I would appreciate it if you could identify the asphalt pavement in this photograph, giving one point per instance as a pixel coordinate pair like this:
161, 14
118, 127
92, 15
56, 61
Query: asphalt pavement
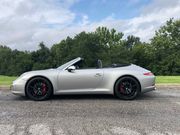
153, 113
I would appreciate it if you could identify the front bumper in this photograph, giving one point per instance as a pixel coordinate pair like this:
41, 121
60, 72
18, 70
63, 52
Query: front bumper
18, 87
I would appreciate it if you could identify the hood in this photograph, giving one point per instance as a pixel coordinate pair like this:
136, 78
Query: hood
38, 72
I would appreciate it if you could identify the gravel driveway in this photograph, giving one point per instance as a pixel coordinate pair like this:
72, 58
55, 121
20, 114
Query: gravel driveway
154, 113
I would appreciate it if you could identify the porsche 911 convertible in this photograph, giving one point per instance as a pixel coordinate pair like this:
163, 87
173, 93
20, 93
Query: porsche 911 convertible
126, 81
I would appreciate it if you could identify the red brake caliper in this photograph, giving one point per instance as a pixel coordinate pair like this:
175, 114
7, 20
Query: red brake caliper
44, 88
122, 88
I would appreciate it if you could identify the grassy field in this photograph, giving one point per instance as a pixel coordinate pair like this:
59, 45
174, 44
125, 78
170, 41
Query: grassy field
168, 79
7, 81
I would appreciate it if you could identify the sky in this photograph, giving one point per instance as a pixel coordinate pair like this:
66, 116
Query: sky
26, 23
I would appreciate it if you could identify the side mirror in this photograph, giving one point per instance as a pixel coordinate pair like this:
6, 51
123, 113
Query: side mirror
71, 68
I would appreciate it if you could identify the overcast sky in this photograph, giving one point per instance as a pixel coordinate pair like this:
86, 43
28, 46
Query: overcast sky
25, 23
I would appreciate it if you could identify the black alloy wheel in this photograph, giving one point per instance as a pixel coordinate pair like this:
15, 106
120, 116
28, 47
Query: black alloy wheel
38, 89
127, 88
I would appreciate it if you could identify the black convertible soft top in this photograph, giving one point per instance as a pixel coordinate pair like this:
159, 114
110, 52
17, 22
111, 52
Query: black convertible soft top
120, 65
117, 65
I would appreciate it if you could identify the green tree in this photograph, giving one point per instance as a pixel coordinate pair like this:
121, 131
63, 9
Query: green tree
5, 57
14, 62
111, 43
41, 58
161, 55
166, 49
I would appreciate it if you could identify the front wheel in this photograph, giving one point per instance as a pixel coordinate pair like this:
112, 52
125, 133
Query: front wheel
38, 89
127, 88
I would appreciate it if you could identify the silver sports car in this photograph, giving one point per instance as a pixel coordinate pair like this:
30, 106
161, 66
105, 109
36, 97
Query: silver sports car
126, 81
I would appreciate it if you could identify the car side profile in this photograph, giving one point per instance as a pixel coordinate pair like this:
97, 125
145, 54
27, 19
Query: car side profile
126, 81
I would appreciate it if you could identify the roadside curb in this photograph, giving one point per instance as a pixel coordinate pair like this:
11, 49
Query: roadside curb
168, 86
4, 87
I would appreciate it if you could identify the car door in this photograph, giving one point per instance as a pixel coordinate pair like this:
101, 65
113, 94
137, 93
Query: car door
80, 79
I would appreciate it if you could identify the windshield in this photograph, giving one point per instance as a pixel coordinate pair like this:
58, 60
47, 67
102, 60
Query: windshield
64, 66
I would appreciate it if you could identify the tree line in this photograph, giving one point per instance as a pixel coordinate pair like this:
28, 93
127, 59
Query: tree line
161, 55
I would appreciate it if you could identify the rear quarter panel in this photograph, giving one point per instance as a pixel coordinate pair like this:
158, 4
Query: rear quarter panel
111, 75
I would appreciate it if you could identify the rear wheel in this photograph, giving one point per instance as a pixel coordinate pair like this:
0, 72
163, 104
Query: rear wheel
127, 88
38, 89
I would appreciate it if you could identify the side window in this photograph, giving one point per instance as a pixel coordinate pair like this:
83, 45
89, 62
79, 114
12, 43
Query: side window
79, 65
88, 65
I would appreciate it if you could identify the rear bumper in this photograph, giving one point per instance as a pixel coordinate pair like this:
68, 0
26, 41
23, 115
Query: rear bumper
147, 84
148, 89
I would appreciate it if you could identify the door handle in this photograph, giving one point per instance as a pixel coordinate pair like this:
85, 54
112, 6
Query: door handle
98, 74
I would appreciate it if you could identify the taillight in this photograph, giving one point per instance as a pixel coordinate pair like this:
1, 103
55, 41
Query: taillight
148, 74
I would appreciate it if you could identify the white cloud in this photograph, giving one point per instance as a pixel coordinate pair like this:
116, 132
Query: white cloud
151, 18
22, 21
85, 20
25, 23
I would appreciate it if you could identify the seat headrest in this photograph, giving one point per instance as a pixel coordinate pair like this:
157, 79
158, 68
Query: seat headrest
99, 63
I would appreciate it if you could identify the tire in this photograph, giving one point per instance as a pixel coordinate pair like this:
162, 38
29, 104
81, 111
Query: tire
127, 88
38, 89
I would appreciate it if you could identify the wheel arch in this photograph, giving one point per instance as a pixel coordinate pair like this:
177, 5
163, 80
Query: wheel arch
126, 76
41, 77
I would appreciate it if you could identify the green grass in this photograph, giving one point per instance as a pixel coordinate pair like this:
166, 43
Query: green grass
168, 79
7, 80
